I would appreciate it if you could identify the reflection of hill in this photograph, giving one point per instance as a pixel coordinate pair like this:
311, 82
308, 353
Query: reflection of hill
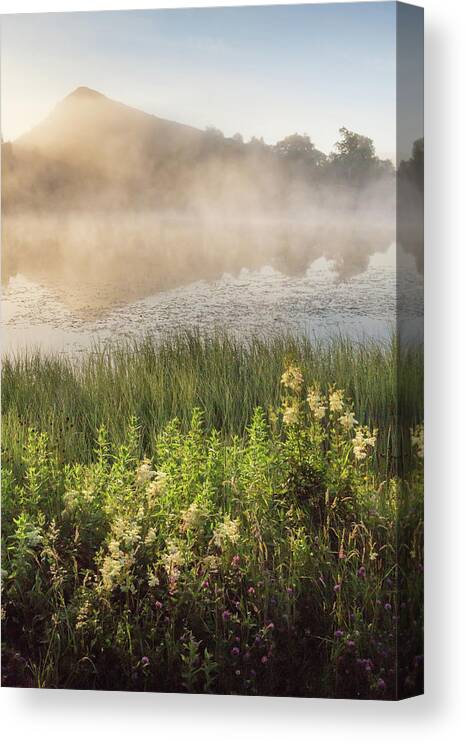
140, 254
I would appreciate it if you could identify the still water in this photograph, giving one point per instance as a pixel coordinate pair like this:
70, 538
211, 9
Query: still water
36, 314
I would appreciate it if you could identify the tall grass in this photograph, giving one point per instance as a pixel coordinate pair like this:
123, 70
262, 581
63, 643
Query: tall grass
226, 378
279, 562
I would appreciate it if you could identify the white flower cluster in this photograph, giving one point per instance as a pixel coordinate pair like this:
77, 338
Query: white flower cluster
226, 532
292, 379
193, 518
316, 403
144, 472
363, 441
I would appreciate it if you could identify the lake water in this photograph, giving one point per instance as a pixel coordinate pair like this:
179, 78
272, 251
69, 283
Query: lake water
38, 314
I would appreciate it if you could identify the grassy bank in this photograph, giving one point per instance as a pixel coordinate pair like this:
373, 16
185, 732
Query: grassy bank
226, 379
281, 561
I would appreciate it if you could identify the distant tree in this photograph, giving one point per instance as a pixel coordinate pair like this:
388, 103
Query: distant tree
300, 148
257, 144
355, 160
238, 138
213, 133
413, 169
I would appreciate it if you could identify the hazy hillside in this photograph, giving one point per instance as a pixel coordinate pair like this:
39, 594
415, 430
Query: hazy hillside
92, 151
99, 186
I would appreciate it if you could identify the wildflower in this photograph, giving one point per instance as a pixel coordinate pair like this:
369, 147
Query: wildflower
361, 572
348, 420
292, 379
336, 400
381, 684
316, 403
158, 605
144, 472
227, 531
270, 627
337, 587
338, 634
235, 561
193, 518
291, 413
264, 659
387, 607
226, 615
251, 591
289, 590
145, 662
363, 440
235, 651
205, 584
350, 644
157, 486
151, 537
173, 561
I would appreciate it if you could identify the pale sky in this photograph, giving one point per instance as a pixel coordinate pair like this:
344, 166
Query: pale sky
263, 71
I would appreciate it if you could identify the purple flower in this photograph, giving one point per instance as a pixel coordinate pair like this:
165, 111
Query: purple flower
145, 662
158, 605
236, 560
337, 587
338, 634
387, 607
251, 591
264, 659
289, 590
350, 644
226, 615
205, 584
270, 626
381, 684
235, 651
362, 571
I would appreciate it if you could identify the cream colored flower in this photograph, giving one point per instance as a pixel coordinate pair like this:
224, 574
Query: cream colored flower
144, 472
193, 517
291, 414
363, 440
336, 400
158, 485
226, 532
348, 420
316, 403
292, 379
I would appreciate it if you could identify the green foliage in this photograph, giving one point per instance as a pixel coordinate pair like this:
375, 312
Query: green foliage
226, 379
262, 563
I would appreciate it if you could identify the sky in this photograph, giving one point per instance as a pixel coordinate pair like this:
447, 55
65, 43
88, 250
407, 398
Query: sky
262, 71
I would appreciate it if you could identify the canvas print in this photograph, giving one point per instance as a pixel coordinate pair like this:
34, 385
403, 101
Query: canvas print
212, 350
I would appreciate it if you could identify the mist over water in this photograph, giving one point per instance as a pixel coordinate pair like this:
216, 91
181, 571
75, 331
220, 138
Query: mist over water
118, 222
